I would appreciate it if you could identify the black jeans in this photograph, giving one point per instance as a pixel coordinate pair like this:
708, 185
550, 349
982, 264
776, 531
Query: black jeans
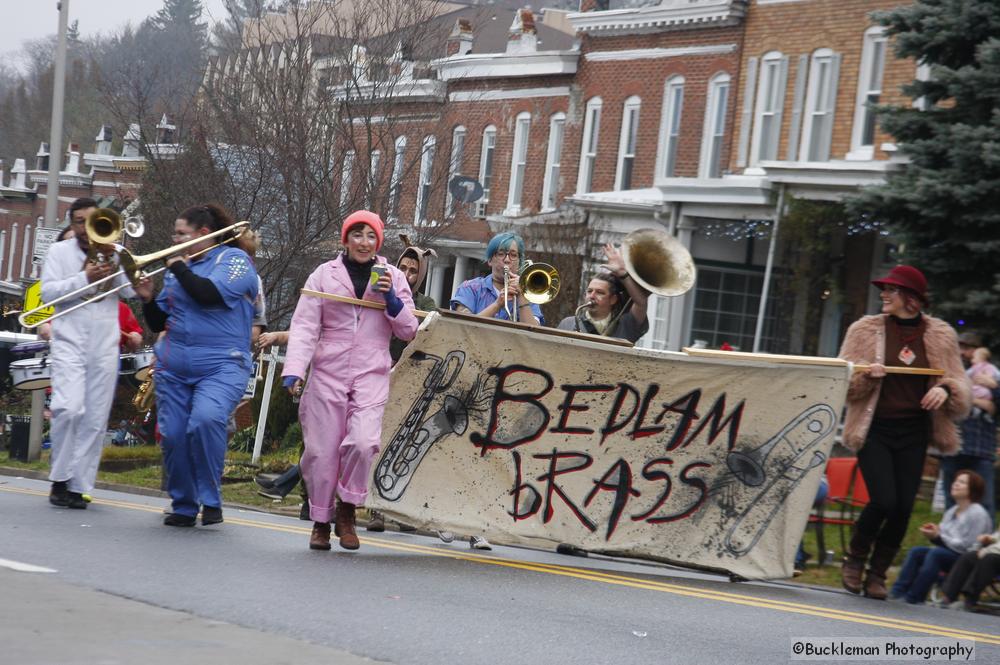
970, 575
891, 463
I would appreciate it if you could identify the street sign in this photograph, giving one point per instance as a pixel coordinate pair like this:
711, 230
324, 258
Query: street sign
33, 299
44, 238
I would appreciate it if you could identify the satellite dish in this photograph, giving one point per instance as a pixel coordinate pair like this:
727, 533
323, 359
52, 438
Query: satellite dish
465, 189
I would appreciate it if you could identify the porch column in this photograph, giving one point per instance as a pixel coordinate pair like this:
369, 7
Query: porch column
678, 304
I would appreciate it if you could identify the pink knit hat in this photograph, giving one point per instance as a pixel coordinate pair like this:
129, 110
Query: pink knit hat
364, 217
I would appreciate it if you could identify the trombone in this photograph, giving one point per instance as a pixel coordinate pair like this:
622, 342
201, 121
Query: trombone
538, 282
131, 267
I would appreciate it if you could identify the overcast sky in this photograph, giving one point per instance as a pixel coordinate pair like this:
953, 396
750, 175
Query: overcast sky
32, 19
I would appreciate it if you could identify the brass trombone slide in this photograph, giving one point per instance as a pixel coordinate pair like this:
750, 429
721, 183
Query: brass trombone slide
131, 267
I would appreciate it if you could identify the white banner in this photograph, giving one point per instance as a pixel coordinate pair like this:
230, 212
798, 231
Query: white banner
543, 439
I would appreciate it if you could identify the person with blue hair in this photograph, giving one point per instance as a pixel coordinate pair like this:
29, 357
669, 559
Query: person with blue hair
484, 296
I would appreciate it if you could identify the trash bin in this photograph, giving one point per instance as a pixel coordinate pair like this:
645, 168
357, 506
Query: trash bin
17, 447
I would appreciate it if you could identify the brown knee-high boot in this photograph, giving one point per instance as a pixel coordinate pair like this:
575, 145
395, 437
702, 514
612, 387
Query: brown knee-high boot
877, 567
344, 526
854, 562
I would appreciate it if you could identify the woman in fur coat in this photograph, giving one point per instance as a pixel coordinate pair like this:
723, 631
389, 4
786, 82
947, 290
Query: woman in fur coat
891, 418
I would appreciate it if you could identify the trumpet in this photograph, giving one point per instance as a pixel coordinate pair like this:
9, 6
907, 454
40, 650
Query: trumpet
131, 267
104, 227
538, 283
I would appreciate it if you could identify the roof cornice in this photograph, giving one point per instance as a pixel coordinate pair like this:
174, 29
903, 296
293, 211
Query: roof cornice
506, 65
668, 15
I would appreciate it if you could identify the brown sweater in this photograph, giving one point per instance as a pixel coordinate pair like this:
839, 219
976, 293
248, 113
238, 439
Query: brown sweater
901, 393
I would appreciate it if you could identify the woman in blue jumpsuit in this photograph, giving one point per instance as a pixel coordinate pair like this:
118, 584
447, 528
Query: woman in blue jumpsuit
202, 363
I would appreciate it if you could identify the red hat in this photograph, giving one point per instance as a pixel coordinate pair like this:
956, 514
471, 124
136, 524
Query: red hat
364, 217
906, 277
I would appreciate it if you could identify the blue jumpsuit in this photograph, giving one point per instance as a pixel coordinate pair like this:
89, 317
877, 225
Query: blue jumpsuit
202, 367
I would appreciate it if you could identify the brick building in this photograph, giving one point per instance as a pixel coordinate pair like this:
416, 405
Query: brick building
112, 180
701, 117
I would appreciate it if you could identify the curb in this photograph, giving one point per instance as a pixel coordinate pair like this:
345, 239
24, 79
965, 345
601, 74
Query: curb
142, 491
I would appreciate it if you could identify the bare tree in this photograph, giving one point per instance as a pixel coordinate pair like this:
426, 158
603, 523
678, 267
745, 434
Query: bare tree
303, 118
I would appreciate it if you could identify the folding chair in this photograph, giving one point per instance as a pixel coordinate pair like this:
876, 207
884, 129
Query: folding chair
848, 494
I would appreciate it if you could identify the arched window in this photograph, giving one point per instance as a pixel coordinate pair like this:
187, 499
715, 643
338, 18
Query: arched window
869, 92
454, 166
670, 125
588, 149
553, 159
396, 182
627, 141
714, 133
770, 106
486, 167
427, 150
821, 101
518, 162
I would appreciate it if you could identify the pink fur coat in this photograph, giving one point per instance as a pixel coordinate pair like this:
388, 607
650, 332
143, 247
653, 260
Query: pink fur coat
865, 343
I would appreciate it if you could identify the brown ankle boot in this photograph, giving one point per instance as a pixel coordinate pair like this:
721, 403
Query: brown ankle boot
320, 538
854, 562
878, 566
344, 526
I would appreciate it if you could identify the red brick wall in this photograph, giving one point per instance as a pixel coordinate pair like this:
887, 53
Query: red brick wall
796, 28
614, 82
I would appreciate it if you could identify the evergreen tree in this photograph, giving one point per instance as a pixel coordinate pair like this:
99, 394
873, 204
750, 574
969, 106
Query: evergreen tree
945, 203
183, 14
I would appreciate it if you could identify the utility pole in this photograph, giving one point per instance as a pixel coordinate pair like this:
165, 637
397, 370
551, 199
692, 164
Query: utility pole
55, 138
51, 202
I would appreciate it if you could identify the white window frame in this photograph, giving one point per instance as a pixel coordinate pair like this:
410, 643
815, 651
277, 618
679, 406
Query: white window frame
670, 126
427, 151
454, 166
396, 181
553, 161
821, 103
518, 163
714, 130
487, 155
346, 170
588, 146
373, 165
628, 141
770, 107
873, 52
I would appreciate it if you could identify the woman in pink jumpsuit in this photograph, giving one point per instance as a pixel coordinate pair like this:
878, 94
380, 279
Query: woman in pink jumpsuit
347, 347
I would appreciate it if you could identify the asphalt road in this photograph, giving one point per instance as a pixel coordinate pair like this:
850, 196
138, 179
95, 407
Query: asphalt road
250, 591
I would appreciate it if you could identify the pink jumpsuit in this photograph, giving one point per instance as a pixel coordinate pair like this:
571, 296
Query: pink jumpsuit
345, 394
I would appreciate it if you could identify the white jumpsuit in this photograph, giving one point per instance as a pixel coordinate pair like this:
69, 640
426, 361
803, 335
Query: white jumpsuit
84, 359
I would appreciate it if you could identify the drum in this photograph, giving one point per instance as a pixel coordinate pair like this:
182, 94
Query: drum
136, 364
31, 373
29, 348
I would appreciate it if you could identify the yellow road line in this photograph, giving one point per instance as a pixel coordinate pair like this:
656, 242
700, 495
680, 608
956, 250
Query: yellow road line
607, 578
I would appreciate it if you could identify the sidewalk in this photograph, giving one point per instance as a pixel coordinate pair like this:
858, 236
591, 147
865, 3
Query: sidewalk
48, 621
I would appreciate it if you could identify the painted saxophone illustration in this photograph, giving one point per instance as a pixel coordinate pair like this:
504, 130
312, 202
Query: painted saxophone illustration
417, 434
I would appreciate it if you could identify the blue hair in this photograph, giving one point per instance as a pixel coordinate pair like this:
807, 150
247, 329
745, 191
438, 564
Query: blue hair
503, 241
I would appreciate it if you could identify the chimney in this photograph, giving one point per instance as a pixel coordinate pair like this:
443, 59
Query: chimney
17, 175
73, 158
103, 141
2, 173
165, 131
131, 141
593, 5
42, 157
522, 38
460, 40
